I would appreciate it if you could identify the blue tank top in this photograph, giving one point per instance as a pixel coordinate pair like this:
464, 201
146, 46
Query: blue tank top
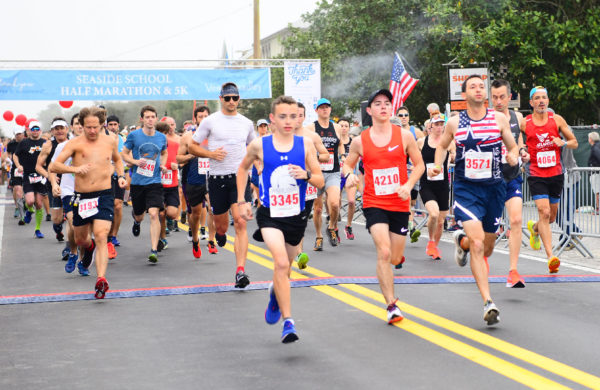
478, 150
193, 177
275, 170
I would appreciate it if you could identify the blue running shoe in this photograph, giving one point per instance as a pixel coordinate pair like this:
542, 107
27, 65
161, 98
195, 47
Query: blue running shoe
70, 266
289, 332
82, 270
272, 314
27, 217
115, 241
38, 234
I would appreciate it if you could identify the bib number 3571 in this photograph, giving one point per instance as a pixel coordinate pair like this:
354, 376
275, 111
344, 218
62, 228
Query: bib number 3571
386, 181
478, 165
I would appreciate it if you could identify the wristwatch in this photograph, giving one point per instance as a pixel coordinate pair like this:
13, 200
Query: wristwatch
308, 175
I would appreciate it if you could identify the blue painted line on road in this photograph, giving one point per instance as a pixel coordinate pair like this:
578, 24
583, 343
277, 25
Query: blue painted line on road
296, 283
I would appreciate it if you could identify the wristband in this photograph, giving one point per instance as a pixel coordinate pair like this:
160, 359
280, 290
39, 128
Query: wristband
438, 166
122, 177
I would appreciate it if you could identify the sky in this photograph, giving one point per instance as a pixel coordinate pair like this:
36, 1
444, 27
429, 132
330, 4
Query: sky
126, 30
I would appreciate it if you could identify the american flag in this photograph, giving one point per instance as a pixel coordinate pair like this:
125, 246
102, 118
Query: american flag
401, 84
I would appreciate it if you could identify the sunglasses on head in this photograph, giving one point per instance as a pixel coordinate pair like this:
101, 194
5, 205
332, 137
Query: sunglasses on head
402, 115
228, 98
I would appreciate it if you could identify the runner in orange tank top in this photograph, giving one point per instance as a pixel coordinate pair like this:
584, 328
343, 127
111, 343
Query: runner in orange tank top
386, 198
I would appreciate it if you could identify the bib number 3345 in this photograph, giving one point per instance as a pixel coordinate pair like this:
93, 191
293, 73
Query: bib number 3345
284, 201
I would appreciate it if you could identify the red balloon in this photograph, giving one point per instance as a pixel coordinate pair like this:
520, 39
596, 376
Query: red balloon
8, 116
66, 103
21, 119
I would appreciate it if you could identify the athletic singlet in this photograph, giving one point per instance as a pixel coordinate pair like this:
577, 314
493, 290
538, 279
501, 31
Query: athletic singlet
510, 172
331, 143
49, 156
428, 154
385, 171
169, 178
347, 146
478, 149
196, 172
279, 191
544, 153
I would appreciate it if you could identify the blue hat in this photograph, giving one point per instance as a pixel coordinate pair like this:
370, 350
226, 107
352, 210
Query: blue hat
323, 101
536, 89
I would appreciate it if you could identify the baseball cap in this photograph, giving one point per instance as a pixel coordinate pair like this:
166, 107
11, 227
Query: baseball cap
438, 118
19, 130
33, 124
323, 101
537, 89
262, 122
385, 92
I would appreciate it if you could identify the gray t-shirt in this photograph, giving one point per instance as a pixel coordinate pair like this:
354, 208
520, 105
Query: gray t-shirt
233, 133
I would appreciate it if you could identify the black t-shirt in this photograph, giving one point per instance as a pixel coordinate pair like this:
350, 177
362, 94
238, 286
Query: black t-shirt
12, 148
28, 152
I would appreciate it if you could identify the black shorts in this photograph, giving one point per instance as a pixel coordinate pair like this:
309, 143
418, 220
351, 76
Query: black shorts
55, 202
222, 191
171, 196
118, 192
414, 194
66, 204
105, 206
396, 220
546, 187
292, 227
16, 181
38, 188
146, 197
308, 205
438, 192
196, 194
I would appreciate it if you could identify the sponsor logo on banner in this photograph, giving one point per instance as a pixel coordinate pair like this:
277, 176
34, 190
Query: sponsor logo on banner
302, 81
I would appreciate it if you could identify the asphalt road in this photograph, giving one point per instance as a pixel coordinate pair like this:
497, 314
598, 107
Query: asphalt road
198, 338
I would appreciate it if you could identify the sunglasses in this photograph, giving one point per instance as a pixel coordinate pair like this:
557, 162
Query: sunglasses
402, 115
228, 98
35, 129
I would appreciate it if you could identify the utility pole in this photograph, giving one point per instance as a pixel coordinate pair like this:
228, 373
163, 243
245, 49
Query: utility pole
256, 49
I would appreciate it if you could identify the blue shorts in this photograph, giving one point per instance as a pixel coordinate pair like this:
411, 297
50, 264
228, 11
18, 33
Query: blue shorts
105, 205
480, 203
513, 188
66, 202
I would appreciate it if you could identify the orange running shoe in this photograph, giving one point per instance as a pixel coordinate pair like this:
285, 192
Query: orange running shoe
514, 280
429, 251
196, 251
436, 254
553, 264
112, 252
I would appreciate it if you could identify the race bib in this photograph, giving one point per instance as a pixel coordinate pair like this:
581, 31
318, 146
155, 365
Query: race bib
147, 167
311, 192
203, 166
546, 159
503, 154
167, 178
328, 166
18, 174
478, 165
33, 178
438, 177
386, 180
284, 201
88, 207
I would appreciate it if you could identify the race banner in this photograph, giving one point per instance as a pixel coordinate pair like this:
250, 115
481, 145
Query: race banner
302, 81
456, 77
155, 84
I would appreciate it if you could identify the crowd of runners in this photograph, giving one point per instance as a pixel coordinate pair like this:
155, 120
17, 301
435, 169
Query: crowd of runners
222, 170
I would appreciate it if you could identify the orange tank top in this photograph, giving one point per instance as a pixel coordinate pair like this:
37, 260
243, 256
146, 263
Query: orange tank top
170, 178
385, 170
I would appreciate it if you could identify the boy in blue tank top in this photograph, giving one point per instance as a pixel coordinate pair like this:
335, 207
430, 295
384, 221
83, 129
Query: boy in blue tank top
289, 162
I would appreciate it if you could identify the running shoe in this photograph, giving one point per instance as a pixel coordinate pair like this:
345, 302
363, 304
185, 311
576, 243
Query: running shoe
203, 234
491, 314
153, 257
534, 238
21, 222
135, 229
272, 314
514, 280
349, 234
162, 244
436, 253
302, 260
48, 218
115, 241
212, 249
83, 271
196, 251
289, 332
460, 255
112, 252
101, 288
38, 234
393, 313
190, 238
71, 262
414, 235
16, 214
553, 264
60, 237
318, 244
399, 265
429, 248
88, 254
221, 239
332, 236
339, 238
241, 280
66, 252
27, 217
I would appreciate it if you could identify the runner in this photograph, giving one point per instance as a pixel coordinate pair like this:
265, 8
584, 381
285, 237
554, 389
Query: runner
330, 134
512, 179
543, 132
479, 192
112, 124
93, 201
384, 149
435, 191
289, 163
350, 191
16, 177
146, 151
228, 133
34, 185
200, 114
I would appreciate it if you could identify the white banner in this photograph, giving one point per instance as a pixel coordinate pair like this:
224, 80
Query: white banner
302, 81
458, 76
